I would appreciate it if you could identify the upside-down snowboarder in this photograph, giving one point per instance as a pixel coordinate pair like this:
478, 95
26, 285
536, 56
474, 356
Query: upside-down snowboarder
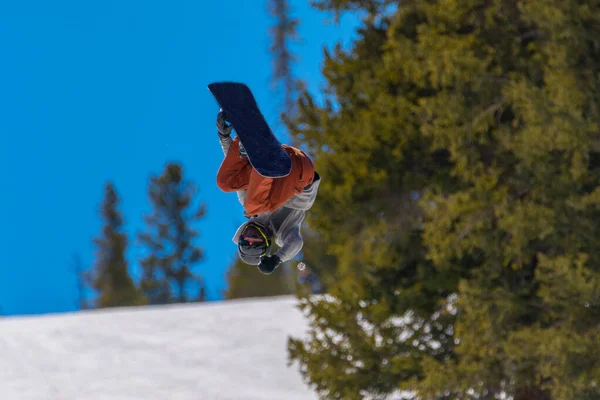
275, 207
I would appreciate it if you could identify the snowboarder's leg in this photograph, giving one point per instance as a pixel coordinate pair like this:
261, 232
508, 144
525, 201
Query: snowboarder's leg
234, 172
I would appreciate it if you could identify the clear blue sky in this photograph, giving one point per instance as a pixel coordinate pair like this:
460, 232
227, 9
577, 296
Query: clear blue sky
92, 91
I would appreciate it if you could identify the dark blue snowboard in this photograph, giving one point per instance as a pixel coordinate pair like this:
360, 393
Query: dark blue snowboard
264, 151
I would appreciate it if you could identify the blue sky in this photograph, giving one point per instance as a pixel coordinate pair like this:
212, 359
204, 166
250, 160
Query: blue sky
92, 91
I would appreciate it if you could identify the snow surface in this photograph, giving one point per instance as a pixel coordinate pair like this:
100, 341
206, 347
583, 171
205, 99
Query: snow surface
211, 351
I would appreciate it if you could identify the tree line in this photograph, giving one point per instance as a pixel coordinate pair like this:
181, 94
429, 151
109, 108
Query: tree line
171, 252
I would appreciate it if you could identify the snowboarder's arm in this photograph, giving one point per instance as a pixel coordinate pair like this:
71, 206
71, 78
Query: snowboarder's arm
292, 244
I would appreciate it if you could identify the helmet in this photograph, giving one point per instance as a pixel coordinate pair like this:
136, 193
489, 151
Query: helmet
251, 253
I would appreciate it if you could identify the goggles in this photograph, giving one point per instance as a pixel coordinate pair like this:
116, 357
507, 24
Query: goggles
256, 249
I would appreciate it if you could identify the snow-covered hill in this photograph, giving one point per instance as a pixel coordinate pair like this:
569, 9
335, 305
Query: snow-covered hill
233, 350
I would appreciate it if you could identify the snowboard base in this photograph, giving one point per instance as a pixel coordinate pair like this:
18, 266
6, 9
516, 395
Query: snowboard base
265, 153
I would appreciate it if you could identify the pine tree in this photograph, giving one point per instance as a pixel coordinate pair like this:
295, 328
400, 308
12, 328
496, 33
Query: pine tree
110, 276
168, 269
460, 199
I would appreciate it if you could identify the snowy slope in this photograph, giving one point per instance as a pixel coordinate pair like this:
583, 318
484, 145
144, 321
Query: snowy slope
215, 351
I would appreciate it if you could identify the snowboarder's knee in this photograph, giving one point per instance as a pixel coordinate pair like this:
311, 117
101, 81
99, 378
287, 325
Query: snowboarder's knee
223, 183
230, 182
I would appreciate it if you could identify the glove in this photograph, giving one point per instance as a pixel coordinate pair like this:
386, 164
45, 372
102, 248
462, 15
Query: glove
268, 264
223, 128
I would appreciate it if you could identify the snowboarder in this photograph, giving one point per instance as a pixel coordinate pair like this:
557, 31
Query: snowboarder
275, 207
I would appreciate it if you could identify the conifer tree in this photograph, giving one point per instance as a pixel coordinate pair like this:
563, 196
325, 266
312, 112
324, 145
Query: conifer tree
110, 276
168, 270
461, 176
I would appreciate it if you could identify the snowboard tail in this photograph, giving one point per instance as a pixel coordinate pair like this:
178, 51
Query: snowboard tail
265, 153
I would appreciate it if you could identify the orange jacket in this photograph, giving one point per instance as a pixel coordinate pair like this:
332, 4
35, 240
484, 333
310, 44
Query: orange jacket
263, 194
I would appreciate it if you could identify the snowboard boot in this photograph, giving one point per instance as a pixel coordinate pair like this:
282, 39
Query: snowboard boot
242, 150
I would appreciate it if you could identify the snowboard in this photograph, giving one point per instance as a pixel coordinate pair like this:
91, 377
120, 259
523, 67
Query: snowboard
264, 151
